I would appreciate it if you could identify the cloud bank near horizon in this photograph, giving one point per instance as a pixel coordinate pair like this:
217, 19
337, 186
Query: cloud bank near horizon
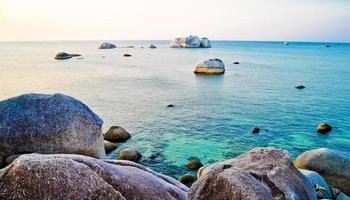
298, 20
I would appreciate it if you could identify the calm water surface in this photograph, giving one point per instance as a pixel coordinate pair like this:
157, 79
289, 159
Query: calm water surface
213, 114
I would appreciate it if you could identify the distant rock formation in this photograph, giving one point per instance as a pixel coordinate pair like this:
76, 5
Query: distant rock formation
190, 42
210, 66
64, 55
107, 46
48, 124
57, 176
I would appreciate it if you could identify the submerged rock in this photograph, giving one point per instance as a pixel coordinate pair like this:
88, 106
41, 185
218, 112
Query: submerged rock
255, 130
107, 46
331, 164
127, 55
116, 134
236, 63
64, 55
170, 106
60, 176
187, 179
109, 146
324, 128
300, 87
194, 164
210, 66
262, 173
129, 154
39, 123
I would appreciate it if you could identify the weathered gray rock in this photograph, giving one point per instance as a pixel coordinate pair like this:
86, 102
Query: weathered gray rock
210, 66
63, 176
38, 123
205, 43
129, 154
331, 164
107, 46
116, 134
262, 173
109, 146
322, 189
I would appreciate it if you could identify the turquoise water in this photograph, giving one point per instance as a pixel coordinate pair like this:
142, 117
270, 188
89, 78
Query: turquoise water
213, 115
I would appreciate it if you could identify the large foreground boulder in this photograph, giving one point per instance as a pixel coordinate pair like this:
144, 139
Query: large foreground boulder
331, 164
190, 42
38, 123
210, 66
262, 173
63, 176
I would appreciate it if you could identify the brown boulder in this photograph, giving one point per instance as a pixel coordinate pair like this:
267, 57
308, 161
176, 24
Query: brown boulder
324, 128
116, 134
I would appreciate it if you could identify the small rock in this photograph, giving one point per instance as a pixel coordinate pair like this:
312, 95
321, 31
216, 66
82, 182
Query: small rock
170, 106
109, 146
300, 87
129, 154
210, 66
154, 156
107, 46
187, 179
255, 130
236, 63
152, 46
324, 128
194, 164
116, 134
63, 56
127, 55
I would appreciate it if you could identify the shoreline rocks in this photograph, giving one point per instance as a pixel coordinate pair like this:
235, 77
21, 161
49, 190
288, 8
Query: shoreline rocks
40, 123
190, 42
107, 45
262, 173
129, 154
116, 134
332, 165
210, 66
63, 176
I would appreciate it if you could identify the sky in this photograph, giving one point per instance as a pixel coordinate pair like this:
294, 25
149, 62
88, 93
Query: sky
282, 20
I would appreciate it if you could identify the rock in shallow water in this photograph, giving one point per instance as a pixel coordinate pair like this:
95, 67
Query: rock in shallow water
324, 128
116, 134
194, 164
63, 56
262, 173
331, 164
39, 123
187, 179
255, 130
129, 154
62, 176
109, 146
107, 46
210, 66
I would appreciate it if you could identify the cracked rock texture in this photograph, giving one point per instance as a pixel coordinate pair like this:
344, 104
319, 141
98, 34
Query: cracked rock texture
262, 173
63, 176
38, 123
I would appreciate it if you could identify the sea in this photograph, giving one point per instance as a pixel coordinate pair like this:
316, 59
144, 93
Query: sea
213, 114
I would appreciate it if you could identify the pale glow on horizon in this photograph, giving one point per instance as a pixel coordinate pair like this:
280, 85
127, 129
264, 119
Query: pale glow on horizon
292, 20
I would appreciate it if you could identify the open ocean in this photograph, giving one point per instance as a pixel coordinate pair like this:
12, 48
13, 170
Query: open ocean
213, 115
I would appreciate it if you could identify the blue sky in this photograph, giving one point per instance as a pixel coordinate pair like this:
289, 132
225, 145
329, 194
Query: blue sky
292, 20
